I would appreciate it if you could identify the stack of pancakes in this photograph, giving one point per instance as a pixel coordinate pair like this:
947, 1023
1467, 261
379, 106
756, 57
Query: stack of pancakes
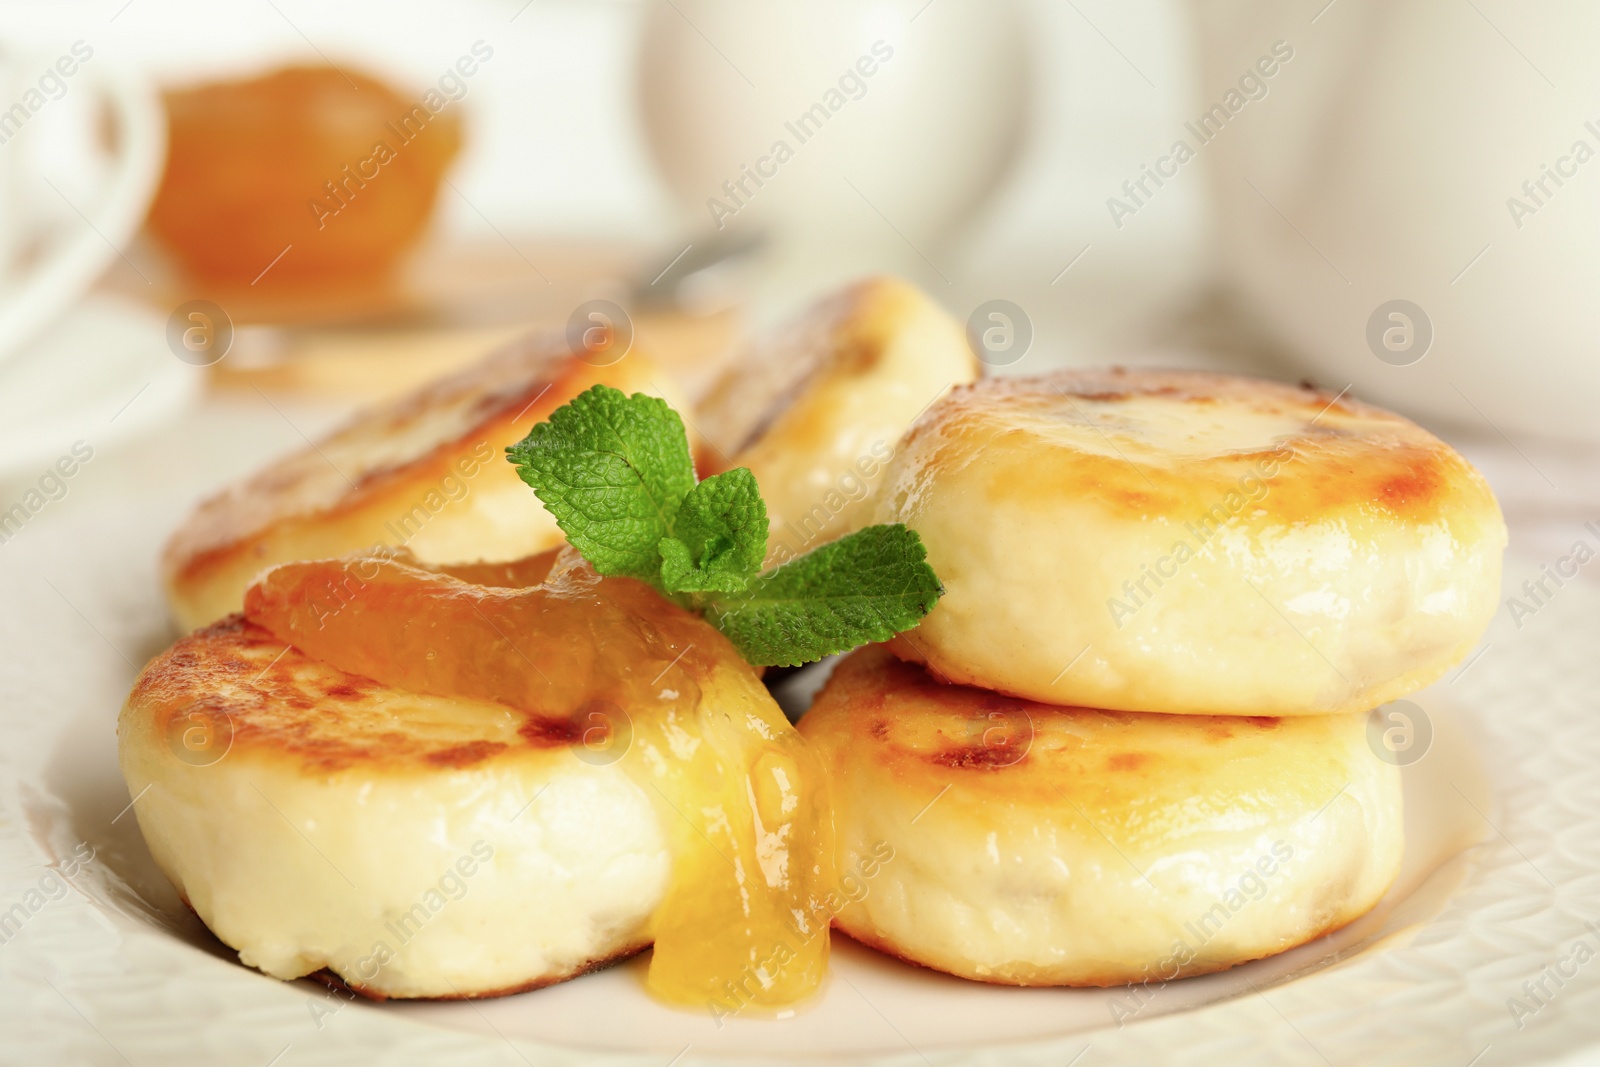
1130, 744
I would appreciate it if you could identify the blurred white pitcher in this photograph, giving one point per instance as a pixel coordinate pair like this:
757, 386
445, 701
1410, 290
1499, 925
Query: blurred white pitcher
68, 200
1368, 207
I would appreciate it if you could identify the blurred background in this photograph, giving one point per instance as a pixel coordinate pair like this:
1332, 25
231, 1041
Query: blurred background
222, 227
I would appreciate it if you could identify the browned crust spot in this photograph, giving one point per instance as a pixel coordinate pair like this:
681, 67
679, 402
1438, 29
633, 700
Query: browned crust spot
977, 757
544, 732
459, 756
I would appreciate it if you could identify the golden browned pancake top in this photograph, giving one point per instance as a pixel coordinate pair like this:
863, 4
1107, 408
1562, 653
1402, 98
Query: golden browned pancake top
394, 448
402, 441
259, 695
1169, 442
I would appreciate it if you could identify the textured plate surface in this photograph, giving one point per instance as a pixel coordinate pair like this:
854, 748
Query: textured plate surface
1502, 878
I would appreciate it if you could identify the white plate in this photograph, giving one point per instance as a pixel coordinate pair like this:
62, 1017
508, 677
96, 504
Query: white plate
1502, 873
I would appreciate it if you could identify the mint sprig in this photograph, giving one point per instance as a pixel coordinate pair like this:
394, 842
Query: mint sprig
615, 472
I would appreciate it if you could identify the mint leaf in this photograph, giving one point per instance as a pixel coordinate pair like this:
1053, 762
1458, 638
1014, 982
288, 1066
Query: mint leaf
720, 537
865, 587
613, 470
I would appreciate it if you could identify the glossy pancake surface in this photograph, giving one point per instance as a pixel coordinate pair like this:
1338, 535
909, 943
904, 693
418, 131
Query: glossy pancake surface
1032, 844
1192, 543
317, 777
816, 406
426, 472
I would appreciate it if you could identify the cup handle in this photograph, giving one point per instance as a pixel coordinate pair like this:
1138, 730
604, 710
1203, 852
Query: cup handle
51, 287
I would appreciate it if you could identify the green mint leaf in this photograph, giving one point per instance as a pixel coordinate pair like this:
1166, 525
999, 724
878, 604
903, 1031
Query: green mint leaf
865, 587
613, 470
720, 537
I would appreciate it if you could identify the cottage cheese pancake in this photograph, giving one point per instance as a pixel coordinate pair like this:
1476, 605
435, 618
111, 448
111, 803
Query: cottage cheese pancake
1192, 543
436, 789
427, 472
1035, 844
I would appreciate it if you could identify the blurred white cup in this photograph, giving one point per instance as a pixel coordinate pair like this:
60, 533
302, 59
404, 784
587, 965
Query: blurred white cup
70, 196
1381, 167
854, 133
